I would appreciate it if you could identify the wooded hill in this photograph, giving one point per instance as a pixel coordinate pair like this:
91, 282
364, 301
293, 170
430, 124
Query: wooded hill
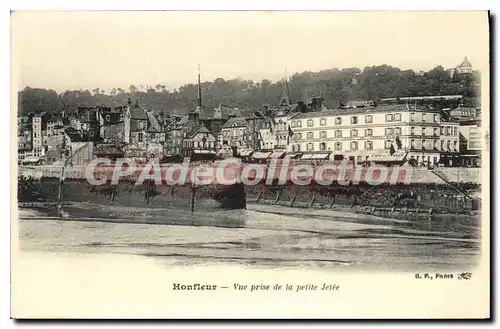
334, 85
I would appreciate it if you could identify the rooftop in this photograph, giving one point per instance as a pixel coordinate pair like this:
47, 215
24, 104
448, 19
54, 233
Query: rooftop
111, 117
222, 112
235, 122
105, 149
197, 129
154, 126
378, 109
138, 113
465, 63
74, 135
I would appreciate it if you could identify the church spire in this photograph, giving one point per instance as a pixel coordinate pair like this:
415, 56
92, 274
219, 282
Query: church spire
285, 96
199, 87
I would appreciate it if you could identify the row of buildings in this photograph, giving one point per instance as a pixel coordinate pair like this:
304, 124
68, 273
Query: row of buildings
361, 131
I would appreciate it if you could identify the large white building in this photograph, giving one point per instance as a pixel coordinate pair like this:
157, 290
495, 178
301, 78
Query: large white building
360, 133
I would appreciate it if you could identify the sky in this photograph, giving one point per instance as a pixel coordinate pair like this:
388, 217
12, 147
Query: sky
73, 50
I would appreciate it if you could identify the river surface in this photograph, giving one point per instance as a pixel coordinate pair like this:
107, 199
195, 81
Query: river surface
263, 236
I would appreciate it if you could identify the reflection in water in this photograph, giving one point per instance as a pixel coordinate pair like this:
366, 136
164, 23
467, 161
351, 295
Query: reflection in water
263, 236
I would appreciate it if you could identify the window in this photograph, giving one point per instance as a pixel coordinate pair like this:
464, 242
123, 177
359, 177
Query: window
368, 145
398, 131
338, 121
354, 120
322, 134
442, 145
368, 119
412, 117
454, 131
397, 117
412, 131
424, 144
298, 147
412, 144
354, 133
310, 146
338, 146
455, 145
388, 118
294, 124
423, 117
139, 137
310, 135
322, 122
309, 123
388, 144
388, 131
298, 136
322, 146
354, 146
448, 131
423, 131
299, 124
338, 133
436, 118
448, 145
368, 132
436, 145
436, 132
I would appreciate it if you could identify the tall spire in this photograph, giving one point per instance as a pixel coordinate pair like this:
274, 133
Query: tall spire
199, 87
285, 97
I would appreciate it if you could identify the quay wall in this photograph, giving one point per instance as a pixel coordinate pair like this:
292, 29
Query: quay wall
417, 176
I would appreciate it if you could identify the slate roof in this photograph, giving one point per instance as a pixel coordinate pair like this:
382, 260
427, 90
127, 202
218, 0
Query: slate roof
154, 126
222, 112
235, 122
100, 150
197, 129
138, 113
284, 109
378, 109
184, 120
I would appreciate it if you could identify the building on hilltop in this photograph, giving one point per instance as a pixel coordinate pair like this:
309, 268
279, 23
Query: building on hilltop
465, 67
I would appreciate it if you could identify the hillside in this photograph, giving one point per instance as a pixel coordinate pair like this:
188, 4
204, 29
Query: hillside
335, 85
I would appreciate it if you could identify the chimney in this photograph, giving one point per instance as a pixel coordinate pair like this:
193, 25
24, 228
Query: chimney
194, 117
302, 107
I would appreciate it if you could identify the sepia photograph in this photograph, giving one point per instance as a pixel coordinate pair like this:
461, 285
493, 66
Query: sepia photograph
250, 164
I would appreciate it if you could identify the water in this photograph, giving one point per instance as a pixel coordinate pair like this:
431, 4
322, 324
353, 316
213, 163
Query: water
263, 236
